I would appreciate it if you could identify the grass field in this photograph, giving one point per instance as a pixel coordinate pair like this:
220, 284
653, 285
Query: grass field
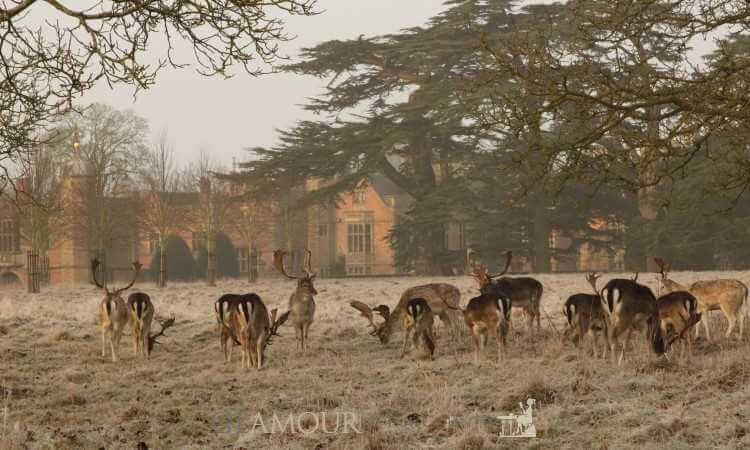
58, 392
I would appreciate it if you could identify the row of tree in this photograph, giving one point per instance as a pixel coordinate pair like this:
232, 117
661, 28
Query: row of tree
519, 120
121, 189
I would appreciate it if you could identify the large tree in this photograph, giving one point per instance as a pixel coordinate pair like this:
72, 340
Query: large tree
53, 52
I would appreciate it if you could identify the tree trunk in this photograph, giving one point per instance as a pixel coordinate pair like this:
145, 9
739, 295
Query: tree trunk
211, 264
648, 204
541, 231
162, 263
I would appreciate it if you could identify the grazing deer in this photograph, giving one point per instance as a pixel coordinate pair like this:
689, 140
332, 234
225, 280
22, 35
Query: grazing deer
488, 313
525, 292
628, 305
113, 314
301, 302
250, 322
730, 296
419, 318
585, 317
222, 307
678, 311
437, 296
141, 314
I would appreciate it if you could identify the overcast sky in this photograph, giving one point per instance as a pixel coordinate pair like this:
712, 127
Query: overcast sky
226, 116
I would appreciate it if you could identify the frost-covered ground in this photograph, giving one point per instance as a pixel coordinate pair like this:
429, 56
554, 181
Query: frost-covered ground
58, 392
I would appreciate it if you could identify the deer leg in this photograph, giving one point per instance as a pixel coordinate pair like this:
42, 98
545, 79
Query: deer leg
704, 319
298, 334
259, 353
104, 342
530, 320
731, 320
475, 338
112, 347
406, 341
499, 341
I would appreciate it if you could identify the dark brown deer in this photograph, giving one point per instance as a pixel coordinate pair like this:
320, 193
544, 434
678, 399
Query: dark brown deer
419, 318
113, 314
250, 322
302, 301
525, 292
678, 311
141, 315
585, 317
727, 295
629, 306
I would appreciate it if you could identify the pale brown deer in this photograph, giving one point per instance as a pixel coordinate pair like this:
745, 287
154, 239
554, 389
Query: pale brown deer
486, 314
437, 296
113, 313
302, 301
525, 292
222, 307
727, 295
141, 315
629, 306
420, 319
250, 322
585, 316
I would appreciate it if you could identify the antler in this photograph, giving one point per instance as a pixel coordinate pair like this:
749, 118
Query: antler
137, 268
307, 268
384, 311
94, 265
591, 277
278, 263
152, 337
509, 255
692, 320
663, 267
366, 313
275, 324
635, 277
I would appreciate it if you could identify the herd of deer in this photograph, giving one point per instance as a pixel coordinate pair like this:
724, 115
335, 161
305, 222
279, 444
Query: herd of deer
621, 306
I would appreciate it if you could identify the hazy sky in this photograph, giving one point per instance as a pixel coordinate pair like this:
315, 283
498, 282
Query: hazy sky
225, 116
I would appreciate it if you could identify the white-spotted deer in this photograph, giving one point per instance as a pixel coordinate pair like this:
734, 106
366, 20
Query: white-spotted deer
729, 296
141, 314
585, 316
629, 306
525, 292
437, 296
302, 301
113, 313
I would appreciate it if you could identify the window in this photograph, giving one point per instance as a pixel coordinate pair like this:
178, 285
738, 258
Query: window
153, 243
359, 197
359, 270
243, 260
360, 237
322, 230
8, 236
199, 241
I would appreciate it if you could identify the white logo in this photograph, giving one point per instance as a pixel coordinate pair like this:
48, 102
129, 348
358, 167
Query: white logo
519, 425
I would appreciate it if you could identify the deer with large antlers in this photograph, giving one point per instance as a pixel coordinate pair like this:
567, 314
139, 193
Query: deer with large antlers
302, 301
113, 314
141, 314
525, 292
585, 316
251, 323
727, 295
437, 296
629, 306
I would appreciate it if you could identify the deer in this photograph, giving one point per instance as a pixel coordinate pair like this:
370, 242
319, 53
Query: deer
419, 318
113, 314
250, 322
727, 295
222, 307
141, 314
437, 296
585, 316
488, 313
678, 311
525, 292
629, 306
302, 301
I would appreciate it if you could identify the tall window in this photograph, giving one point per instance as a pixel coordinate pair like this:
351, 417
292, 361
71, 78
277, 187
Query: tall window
199, 241
243, 257
360, 237
359, 196
153, 243
8, 236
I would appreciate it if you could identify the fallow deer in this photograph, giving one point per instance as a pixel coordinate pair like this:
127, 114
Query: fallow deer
141, 314
113, 313
488, 313
437, 296
222, 307
585, 316
525, 292
419, 318
628, 305
302, 301
678, 311
250, 322
727, 295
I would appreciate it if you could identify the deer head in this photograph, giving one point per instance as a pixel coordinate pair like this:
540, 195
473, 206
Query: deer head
116, 292
591, 277
275, 324
305, 282
152, 337
483, 277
